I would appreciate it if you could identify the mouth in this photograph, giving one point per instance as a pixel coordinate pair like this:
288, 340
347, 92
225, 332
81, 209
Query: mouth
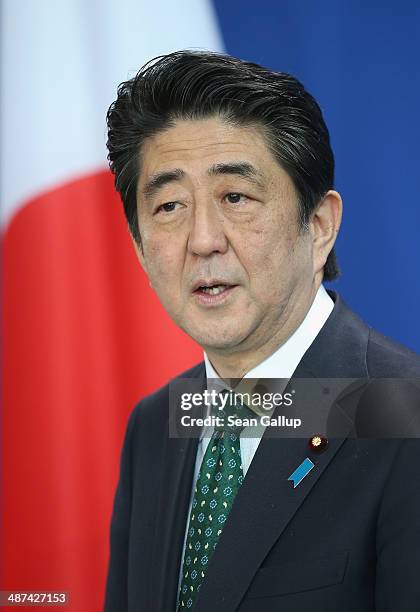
213, 289
212, 292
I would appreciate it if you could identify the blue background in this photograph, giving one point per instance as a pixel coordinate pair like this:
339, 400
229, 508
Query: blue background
361, 62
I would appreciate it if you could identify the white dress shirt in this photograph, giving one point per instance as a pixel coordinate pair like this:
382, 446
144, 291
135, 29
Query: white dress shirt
281, 364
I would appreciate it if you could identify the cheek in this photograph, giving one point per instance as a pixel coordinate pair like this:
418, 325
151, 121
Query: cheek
268, 249
273, 264
161, 262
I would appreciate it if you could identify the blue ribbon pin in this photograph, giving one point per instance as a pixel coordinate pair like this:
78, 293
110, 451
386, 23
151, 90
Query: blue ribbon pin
301, 471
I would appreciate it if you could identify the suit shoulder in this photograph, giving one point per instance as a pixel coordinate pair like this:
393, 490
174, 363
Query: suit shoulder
389, 359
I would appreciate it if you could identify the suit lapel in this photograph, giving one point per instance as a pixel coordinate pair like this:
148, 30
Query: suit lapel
175, 490
178, 470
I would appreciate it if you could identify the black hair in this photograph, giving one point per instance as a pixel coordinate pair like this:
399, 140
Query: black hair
201, 84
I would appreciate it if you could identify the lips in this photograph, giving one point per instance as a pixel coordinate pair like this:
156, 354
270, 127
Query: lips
213, 286
213, 295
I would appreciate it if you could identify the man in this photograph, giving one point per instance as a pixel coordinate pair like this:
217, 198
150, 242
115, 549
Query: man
226, 174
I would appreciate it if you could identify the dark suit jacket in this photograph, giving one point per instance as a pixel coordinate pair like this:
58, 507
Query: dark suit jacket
346, 539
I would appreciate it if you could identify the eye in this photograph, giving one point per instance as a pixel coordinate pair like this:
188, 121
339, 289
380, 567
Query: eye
234, 198
168, 207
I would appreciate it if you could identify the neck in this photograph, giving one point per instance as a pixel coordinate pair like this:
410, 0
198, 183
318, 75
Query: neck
234, 364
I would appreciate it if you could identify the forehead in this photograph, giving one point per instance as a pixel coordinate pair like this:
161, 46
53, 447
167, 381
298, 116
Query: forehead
195, 145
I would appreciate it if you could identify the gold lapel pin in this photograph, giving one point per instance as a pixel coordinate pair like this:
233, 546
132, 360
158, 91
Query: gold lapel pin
318, 443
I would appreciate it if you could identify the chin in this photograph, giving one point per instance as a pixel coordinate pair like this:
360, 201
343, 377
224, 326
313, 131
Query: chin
218, 334
216, 340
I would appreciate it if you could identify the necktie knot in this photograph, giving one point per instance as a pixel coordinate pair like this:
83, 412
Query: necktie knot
232, 414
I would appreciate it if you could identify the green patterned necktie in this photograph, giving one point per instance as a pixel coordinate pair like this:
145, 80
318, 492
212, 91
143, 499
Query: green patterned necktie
218, 481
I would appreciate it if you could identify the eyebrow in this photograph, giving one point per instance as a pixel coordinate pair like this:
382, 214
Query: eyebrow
158, 180
243, 169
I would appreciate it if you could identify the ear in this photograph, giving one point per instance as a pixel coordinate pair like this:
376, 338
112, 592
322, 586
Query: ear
324, 225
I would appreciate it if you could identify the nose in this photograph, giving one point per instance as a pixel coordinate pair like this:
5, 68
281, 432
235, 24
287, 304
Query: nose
207, 233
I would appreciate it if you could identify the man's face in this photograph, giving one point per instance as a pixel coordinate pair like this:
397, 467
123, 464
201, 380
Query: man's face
221, 243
